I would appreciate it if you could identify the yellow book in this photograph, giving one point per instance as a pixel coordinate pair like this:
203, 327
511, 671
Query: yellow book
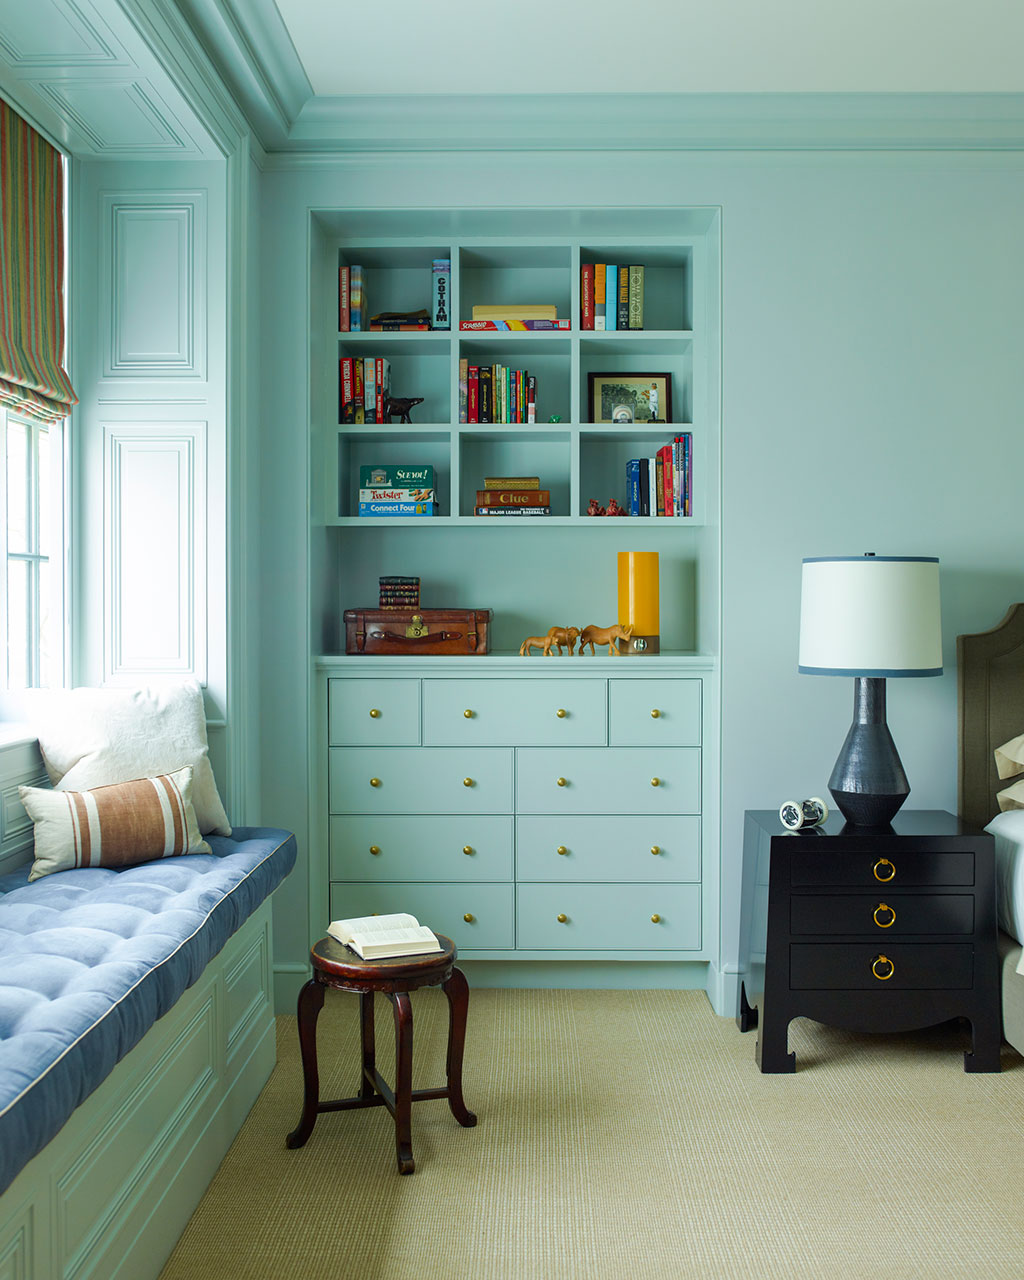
503, 311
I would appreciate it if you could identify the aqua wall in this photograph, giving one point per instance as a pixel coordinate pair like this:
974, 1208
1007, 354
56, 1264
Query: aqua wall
873, 391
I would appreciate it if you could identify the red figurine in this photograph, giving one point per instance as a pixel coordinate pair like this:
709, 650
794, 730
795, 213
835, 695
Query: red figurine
594, 508
614, 509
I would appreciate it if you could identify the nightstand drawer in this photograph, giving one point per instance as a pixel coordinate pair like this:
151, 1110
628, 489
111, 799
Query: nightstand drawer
876, 914
817, 866
623, 780
862, 967
608, 917
441, 907
463, 846
420, 780
514, 712
645, 713
579, 847
373, 713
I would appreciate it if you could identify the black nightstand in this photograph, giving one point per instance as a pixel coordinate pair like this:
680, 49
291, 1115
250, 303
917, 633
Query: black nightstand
887, 930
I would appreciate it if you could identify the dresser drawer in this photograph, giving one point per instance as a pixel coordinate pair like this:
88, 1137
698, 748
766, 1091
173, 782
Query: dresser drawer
891, 916
373, 713
616, 780
465, 846
870, 870
514, 712
420, 780
579, 847
441, 907
608, 917
915, 966
654, 712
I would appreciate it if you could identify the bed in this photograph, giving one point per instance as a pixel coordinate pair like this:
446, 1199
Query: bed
990, 685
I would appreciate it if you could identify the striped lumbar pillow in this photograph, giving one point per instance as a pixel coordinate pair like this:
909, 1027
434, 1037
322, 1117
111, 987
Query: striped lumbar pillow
115, 826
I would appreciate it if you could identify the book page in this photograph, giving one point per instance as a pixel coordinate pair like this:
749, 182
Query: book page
414, 933
343, 930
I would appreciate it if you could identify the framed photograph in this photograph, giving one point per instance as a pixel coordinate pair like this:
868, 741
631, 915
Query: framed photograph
630, 397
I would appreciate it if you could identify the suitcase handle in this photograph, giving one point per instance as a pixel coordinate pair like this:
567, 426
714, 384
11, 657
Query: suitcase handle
414, 641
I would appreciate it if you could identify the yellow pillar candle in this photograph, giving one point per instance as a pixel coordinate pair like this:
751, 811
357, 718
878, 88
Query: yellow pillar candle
638, 591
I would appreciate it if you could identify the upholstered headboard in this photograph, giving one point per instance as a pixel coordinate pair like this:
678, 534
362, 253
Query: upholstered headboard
990, 689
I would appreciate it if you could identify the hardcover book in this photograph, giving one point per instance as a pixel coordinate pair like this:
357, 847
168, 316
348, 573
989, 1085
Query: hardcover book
513, 311
357, 299
376, 937
400, 476
587, 296
513, 497
636, 297
611, 297
513, 511
369, 389
512, 482
623, 317
357, 382
463, 389
599, 291
441, 317
343, 299
346, 391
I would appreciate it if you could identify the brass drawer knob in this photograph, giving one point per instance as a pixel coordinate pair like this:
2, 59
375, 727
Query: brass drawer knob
655, 713
560, 713
375, 782
884, 870
467, 782
561, 782
655, 849
468, 714
655, 782
468, 917
374, 713
375, 849
562, 917
468, 849
884, 910
883, 968
561, 851
655, 919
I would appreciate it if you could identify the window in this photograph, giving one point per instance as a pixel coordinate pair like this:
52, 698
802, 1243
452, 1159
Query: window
32, 531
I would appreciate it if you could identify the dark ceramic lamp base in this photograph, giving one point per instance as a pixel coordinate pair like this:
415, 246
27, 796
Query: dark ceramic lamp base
868, 783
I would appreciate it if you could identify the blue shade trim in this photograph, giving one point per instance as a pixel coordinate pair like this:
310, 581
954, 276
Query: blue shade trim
877, 559
880, 673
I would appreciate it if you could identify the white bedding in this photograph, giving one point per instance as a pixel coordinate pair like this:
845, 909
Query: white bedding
1008, 830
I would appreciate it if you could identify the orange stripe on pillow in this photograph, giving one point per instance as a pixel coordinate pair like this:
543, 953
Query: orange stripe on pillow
131, 819
176, 801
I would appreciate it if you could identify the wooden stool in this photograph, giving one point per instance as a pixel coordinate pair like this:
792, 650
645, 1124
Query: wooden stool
336, 966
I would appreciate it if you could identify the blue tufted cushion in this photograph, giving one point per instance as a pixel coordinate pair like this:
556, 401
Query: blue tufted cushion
91, 958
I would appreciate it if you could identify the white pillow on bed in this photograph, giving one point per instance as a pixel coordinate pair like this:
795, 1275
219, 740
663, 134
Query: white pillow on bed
1008, 830
1010, 758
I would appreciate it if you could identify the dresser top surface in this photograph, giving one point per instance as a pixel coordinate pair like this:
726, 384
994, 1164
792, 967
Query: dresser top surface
908, 823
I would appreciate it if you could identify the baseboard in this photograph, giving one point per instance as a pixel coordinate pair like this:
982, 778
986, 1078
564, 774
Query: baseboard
628, 975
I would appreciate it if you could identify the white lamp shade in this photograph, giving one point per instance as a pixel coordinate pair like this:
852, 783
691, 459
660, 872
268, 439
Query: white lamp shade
870, 616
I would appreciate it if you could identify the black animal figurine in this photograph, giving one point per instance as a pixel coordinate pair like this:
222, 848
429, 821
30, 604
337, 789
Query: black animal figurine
400, 405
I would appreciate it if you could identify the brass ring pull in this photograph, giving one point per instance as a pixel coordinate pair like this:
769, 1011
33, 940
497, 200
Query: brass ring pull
655, 713
883, 968
884, 924
655, 782
468, 849
561, 851
375, 849
468, 714
655, 849
374, 713
561, 782
655, 919
468, 917
562, 917
375, 782
560, 713
467, 782
884, 870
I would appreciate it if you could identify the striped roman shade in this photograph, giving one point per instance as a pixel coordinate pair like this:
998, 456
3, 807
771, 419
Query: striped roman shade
33, 381
115, 826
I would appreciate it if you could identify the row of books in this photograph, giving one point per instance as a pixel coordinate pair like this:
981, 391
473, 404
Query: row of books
354, 314
662, 485
611, 297
496, 393
398, 593
512, 496
398, 490
364, 385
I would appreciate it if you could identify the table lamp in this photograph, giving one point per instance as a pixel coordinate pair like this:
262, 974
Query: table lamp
870, 617
639, 602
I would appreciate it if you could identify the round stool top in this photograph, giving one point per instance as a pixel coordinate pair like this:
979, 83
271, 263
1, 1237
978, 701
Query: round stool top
336, 965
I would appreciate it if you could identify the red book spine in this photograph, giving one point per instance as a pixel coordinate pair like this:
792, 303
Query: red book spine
347, 390
665, 454
513, 497
587, 296
473, 394
343, 299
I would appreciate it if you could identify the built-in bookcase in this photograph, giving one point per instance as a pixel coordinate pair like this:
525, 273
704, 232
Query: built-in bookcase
531, 571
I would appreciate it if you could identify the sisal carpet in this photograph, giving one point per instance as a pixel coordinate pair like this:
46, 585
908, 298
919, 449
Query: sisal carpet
626, 1135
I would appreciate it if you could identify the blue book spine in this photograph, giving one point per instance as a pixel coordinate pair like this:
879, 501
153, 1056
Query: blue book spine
633, 486
397, 508
611, 293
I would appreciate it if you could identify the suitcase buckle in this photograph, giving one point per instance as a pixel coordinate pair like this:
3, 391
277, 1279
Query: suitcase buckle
416, 628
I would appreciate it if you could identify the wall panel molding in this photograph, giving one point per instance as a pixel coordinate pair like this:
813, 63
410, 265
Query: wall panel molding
153, 286
155, 540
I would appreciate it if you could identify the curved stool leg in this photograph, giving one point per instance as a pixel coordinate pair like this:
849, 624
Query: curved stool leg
311, 1001
369, 1063
403, 1080
457, 991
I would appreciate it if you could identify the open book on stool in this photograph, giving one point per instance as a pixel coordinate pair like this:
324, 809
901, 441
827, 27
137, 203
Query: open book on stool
377, 937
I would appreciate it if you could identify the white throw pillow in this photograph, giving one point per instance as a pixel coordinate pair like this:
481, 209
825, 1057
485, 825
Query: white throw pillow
1008, 831
97, 737
1010, 758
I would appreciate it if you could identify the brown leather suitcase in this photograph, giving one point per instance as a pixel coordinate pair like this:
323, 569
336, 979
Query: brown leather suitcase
420, 631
